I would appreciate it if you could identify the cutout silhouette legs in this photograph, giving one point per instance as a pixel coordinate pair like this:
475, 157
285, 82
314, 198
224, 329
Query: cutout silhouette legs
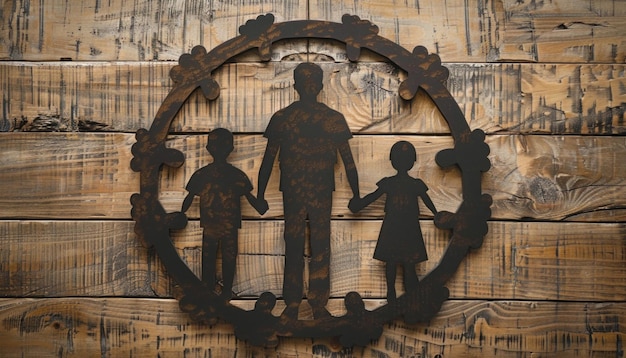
297, 210
229, 265
209, 257
295, 234
212, 240
390, 275
319, 267
410, 279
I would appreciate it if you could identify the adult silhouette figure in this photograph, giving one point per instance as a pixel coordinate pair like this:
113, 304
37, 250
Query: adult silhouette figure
308, 134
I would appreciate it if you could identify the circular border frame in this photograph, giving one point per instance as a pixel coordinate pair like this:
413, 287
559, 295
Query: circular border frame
358, 326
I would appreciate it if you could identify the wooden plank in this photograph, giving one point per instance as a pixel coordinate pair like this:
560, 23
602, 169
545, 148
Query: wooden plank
524, 261
564, 7
125, 96
130, 31
564, 31
458, 30
78, 176
152, 327
478, 31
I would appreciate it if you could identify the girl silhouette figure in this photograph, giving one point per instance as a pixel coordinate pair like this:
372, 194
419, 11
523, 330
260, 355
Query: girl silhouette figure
400, 241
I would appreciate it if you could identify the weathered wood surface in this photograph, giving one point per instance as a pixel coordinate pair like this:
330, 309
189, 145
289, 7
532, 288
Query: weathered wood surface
125, 96
76, 287
501, 30
528, 261
458, 30
135, 31
78, 175
122, 327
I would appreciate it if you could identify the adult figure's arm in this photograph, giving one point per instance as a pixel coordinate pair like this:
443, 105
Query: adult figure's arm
266, 169
350, 166
358, 205
187, 202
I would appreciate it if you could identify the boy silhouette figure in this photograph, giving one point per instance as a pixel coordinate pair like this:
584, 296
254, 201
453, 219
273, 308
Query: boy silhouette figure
220, 187
308, 134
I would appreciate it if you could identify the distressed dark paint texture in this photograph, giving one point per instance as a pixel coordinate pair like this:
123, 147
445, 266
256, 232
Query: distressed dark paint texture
259, 326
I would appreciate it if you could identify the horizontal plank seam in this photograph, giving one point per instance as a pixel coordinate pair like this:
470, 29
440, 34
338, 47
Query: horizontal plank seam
245, 299
337, 218
444, 63
498, 133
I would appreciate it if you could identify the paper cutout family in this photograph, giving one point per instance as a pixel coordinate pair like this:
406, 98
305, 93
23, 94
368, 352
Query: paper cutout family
307, 136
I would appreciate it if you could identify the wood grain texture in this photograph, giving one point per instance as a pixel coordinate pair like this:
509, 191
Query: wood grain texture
129, 31
546, 80
564, 31
74, 327
88, 176
527, 261
490, 31
504, 98
458, 30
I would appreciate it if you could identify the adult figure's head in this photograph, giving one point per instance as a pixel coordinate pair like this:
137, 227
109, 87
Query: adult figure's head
220, 144
308, 80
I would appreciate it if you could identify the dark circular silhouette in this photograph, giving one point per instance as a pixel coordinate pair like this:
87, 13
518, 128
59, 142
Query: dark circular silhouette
468, 224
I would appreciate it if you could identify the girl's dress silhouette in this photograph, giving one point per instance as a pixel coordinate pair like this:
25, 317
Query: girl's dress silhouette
400, 239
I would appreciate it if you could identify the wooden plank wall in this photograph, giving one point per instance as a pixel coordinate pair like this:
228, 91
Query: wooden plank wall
545, 79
